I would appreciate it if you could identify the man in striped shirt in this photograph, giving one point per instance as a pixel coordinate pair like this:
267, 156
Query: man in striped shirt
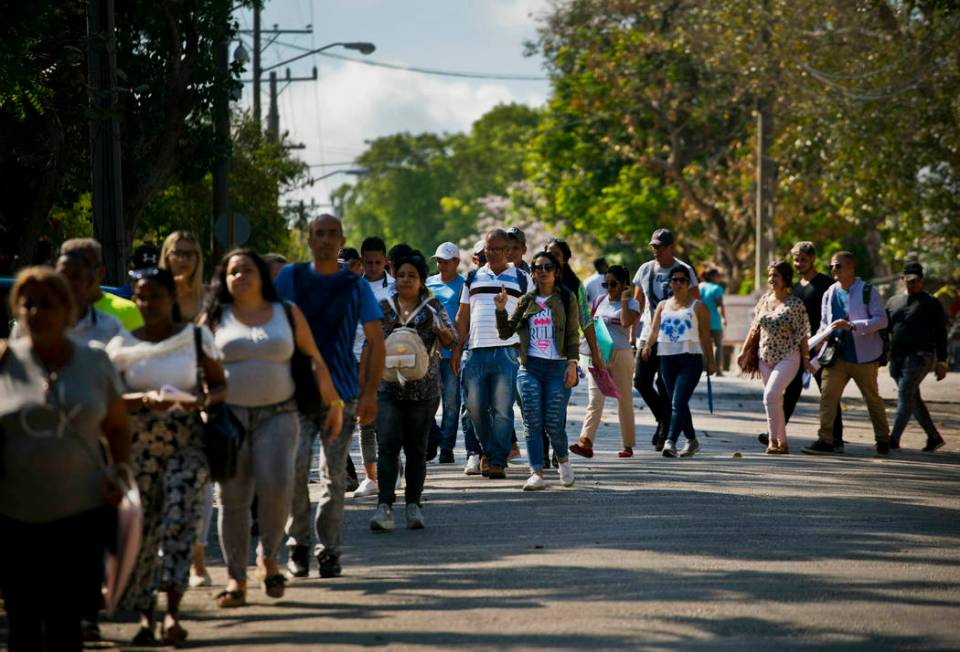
490, 372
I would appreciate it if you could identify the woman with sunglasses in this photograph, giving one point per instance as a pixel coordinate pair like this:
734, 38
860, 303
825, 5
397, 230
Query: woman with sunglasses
547, 323
58, 398
784, 328
681, 329
168, 457
619, 311
251, 327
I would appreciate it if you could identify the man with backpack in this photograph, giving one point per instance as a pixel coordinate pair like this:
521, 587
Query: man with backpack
334, 300
853, 312
490, 373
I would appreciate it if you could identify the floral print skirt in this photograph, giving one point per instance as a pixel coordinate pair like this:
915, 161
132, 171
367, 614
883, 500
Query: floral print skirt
172, 474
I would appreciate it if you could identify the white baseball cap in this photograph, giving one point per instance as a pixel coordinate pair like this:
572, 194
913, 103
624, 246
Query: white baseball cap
447, 251
479, 247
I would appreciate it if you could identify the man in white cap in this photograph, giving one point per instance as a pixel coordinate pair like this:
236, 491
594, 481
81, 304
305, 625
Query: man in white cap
446, 286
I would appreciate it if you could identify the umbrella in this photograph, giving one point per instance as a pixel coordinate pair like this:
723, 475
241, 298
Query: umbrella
120, 562
709, 394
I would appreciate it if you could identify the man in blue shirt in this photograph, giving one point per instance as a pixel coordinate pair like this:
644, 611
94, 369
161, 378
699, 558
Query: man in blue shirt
446, 286
334, 301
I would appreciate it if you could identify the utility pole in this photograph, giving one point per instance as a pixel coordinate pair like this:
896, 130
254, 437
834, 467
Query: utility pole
766, 175
107, 182
257, 115
273, 114
221, 135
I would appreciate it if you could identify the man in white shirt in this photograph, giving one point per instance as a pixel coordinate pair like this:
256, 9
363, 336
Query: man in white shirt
594, 284
651, 286
490, 372
373, 254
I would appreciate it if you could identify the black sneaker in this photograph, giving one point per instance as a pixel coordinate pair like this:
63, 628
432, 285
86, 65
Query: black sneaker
432, 450
446, 457
764, 439
934, 444
894, 444
329, 565
838, 447
883, 448
546, 460
298, 561
655, 440
818, 448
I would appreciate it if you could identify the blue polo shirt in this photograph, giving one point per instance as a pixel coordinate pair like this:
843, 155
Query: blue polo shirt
449, 295
334, 304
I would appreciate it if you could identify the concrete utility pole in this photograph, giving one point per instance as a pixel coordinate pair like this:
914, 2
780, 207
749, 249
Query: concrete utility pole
273, 115
221, 135
257, 115
766, 189
106, 178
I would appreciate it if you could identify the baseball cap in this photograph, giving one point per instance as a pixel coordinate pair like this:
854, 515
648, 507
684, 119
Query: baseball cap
662, 237
144, 256
479, 247
515, 233
348, 253
447, 251
912, 270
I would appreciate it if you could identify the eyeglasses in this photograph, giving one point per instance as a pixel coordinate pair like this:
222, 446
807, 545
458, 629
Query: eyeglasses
495, 250
611, 284
184, 253
679, 279
149, 272
546, 267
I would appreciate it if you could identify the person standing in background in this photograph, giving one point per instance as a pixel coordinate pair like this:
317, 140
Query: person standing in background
594, 284
711, 293
446, 285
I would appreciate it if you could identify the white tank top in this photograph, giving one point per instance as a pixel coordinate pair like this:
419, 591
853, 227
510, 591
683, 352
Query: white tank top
679, 331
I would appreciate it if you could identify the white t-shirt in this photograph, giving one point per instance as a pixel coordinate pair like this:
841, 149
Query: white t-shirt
593, 286
651, 276
483, 312
151, 365
610, 312
382, 289
543, 335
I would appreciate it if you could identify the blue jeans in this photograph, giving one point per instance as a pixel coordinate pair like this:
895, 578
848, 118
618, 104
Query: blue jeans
681, 373
908, 372
543, 406
490, 378
445, 433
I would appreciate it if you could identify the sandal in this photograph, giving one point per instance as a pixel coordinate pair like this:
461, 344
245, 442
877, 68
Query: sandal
626, 452
582, 450
274, 585
174, 635
231, 599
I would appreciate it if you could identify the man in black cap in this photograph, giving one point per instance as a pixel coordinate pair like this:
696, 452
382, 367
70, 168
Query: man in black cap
918, 343
651, 286
144, 257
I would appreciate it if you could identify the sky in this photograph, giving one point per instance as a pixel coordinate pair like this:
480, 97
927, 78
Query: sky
351, 102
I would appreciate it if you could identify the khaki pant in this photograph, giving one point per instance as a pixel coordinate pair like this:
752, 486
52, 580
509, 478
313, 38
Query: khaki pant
621, 369
835, 379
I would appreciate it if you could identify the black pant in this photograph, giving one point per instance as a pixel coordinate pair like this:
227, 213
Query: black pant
792, 395
402, 425
654, 394
51, 575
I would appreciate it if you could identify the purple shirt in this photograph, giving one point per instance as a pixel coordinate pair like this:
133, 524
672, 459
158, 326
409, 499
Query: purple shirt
867, 320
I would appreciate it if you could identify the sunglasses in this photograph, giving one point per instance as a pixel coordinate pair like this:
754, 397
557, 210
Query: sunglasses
148, 273
611, 284
679, 279
836, 265
546, 267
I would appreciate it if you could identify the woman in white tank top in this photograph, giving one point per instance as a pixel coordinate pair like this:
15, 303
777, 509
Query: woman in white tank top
681, 329
251, 327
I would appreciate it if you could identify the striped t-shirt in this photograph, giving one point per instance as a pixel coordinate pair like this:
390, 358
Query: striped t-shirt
483, 312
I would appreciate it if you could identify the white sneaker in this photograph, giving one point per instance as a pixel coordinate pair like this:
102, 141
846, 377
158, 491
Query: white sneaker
473, 465
669, 449
382, 520
196, 581
566, 473
415, 517
691, 447
534, 483
367, 488
399, 476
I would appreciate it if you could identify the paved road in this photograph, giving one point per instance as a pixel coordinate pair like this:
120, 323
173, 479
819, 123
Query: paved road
716, 552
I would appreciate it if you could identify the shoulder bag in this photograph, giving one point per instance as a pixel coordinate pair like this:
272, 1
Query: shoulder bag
306, 391
222, 431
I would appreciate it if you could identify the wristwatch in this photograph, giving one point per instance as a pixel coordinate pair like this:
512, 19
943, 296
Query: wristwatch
338, 403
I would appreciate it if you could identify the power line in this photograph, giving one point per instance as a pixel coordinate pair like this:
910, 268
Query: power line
426, 71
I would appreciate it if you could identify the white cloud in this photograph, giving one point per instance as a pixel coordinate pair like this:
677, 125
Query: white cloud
518, 14
352, 103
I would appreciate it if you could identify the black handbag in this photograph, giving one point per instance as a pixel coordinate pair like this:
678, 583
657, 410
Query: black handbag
831, 350
222, 431
306, 391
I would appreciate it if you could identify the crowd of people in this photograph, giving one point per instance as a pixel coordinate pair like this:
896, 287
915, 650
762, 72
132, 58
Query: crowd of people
93, 382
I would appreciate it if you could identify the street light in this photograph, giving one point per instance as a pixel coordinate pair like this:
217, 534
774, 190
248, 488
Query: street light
357, 172
360, 46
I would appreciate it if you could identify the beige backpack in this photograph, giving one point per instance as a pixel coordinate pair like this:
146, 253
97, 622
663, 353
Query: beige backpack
407, 357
